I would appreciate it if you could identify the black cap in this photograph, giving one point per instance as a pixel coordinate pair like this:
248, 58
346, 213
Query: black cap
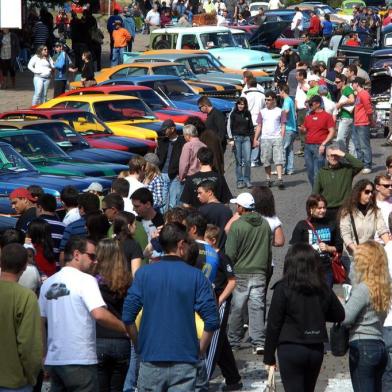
167, 124
316, 98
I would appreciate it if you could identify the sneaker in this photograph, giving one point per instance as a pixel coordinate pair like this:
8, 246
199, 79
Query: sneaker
245, 326
259, 350
232, 387
289, 173
269, 183
366, 170
249, 185
255, 164
280, 184
299, 153
240, 185
274, 172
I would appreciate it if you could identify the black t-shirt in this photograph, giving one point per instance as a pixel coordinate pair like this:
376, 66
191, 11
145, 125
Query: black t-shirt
24, 220
218, 214
189, 194
224, 272
132, 250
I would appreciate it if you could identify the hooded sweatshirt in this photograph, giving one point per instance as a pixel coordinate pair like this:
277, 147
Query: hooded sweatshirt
248, 244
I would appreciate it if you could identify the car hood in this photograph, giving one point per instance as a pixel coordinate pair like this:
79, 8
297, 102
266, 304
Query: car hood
268, 33
189, 102
101, 155
178, 116
133, 145
242, 57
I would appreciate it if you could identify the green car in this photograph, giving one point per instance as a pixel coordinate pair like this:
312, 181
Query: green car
348, 6
48, 158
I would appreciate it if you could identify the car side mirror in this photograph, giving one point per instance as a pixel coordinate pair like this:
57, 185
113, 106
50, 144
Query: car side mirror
81, 120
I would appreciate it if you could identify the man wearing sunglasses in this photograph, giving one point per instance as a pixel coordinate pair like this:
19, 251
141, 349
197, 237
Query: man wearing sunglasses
383, 184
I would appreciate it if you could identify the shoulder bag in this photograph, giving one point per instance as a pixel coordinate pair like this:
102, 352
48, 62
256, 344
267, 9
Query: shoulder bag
338, 339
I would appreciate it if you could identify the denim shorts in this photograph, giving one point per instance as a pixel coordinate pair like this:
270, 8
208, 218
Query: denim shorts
271, 151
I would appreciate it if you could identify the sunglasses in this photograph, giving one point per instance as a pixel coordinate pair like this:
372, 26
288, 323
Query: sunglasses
92, 256
338, 81
367, 192
387, 186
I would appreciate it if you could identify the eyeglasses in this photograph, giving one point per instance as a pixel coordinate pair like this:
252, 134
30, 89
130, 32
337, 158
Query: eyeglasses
367, 191
386, 185
338, 81
92, 256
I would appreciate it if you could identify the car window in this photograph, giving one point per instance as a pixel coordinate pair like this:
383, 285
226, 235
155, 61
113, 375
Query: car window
202, 65
84, 122
73, 104
222, 39
137, 71
120, 110
11, 161
18, 116
163, 41
388, 39
189, 41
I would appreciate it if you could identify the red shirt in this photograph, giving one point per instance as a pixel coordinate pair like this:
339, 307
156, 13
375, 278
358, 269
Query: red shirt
352, 42
315, 25
317, 125
43, 265
363, 109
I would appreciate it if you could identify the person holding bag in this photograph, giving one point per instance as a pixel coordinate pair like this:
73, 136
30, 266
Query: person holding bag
365, 310
320, 233
301, 304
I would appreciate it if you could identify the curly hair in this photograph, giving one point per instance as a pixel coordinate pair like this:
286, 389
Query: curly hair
111, 266
371, 267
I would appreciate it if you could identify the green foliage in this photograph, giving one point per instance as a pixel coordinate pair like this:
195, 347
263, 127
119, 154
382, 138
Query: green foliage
332, 3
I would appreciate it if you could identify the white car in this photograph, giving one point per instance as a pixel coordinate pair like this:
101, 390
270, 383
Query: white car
254, 7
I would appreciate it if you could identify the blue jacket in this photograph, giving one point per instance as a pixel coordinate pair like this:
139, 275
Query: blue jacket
61, 66
170, 292
129, 25
110, 23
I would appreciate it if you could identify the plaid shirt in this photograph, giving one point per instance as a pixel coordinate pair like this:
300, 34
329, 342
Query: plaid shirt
157, 188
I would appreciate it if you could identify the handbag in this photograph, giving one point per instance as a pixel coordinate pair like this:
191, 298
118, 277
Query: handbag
338, 270
338, 339
271, 385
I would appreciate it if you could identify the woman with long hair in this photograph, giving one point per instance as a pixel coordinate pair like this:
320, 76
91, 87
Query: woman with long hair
41, 65
366, 309
113, 348
40, 235
281, 72
360, 218
319, 232
124, 226
88, 75
240, 128
301, 305
97, 226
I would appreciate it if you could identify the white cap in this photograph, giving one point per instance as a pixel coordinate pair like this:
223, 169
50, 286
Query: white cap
94, 186
284, 48
313, 78
245, 200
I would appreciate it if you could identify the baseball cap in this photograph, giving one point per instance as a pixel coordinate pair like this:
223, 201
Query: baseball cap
284, 48
313, 78
94, 186
22, 193
167, 124
245, 200
152, 158
316, 98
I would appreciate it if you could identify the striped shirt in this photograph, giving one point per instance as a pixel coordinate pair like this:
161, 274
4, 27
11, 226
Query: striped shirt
40, 33
77, 228
57, 229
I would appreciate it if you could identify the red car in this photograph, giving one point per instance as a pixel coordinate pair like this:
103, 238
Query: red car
96, 133
153, 100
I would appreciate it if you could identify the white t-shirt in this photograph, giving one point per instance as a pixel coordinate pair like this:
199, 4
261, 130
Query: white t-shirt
274, 4
128, 206
71, 216
274, 222
30, 278
134, 185
329, 106
66, 300
221, 20
300, 96
153, 18
386, 208
298, 17
271, 120
256, 102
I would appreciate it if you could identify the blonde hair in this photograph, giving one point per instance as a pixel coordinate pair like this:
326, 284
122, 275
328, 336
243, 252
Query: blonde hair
150, 172
371, 267
123, 174
112, 267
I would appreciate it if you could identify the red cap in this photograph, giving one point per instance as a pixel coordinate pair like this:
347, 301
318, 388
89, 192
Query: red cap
22, 193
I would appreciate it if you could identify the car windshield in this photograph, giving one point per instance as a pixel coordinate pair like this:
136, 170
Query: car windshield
241, 40
11, 161
35, 147
62, 134
349, 6
222, 39
379, 62
173, 70
202, 65
150, 97
84, 123
171, 89
121, 110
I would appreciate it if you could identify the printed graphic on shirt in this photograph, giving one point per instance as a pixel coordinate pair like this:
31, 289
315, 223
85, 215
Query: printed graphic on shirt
56, 291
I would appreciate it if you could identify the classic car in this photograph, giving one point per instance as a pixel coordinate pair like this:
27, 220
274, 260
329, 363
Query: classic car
254, 7
285, 15
347, 8
97, 134
70, 141
48, 158
125, 116
321, 10
202, 66
16, 171
221, 89
174, 90
368, 46
150, 97
218, 40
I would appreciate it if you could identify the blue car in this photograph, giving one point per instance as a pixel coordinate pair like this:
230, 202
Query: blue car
16, 171
173, 89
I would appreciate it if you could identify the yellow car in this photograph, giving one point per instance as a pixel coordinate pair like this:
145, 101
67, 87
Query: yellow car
125, 116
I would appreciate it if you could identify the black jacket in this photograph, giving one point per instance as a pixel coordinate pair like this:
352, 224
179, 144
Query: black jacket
240, 124
298, 318
163, 147
216, 121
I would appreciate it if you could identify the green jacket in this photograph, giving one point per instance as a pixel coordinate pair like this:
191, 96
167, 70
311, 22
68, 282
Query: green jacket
20, 336
335, 183
249, 244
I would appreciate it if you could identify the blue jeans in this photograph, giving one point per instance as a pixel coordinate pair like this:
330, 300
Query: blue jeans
249, 292
387, 376
113, 361
361, 139
41, 86
27, 388
133, 372
288, 144
167, 377
242, 155
367, 360
175, 190
313, 161
76, 378
345, 136
117, 56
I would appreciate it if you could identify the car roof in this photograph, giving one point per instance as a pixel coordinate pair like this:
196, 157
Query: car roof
192, 30
152, 65
152, 78
13, 132
95, 98
176, 51
105, 88
21, 124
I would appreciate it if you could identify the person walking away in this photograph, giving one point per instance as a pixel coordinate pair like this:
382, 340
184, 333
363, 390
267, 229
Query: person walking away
301, 302
121, 37
319, 129
187, 290
363, 120
288, 110
297, 25
130, 26
271, 130
365, 312
41, 65
248, 246
240, 129
9, 50
62, 65
327, 27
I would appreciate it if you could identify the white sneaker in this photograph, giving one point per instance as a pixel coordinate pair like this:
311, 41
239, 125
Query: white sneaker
259, 350
366, 171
